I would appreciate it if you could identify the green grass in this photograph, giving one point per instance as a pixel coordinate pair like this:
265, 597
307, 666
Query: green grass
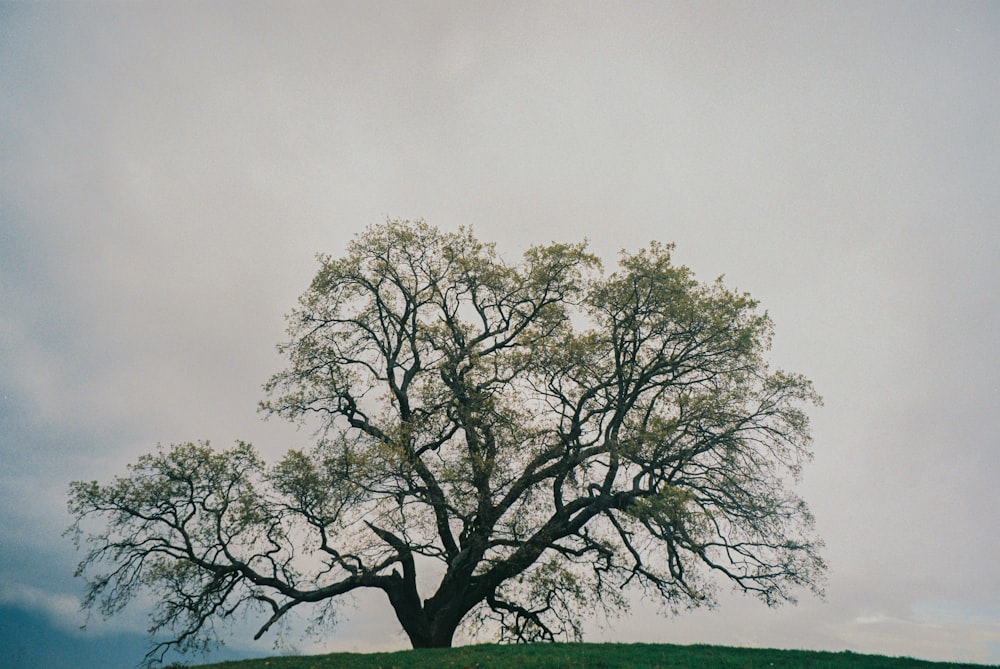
591, 656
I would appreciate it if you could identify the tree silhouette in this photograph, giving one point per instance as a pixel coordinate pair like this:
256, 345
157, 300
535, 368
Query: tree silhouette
510, 443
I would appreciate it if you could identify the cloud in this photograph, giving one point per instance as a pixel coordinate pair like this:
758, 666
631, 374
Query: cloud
61, 609
168, 174
932, 639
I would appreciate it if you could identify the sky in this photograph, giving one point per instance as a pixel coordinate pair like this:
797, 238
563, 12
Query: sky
169, 171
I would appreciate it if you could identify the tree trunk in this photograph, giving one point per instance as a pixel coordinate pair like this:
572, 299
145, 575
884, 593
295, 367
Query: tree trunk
431, 623
425, 629
429, 629
440, 637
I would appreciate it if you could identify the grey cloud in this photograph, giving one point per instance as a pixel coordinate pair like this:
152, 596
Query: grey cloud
169, 171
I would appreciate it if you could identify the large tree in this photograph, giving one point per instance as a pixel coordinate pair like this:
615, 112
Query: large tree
517, 443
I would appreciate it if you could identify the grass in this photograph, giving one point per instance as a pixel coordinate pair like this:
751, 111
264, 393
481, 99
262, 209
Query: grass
591, 656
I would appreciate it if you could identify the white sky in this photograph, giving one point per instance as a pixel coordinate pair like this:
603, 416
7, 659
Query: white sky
169, 171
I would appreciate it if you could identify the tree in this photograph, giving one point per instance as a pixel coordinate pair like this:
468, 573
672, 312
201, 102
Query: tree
510, 443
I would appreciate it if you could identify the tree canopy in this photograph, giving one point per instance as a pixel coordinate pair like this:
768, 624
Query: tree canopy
515, 444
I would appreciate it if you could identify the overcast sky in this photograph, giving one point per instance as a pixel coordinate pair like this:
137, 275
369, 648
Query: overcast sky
169, 171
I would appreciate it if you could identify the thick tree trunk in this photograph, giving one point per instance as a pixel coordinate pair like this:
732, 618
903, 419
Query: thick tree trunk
432, 623
429, 627
424, 633
441, 637
426, 629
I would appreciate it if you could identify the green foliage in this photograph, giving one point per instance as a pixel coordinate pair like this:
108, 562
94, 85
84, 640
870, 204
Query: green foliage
535, 439
594, 656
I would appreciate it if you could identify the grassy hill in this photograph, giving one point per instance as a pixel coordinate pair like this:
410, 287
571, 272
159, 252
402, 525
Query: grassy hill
591, 656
